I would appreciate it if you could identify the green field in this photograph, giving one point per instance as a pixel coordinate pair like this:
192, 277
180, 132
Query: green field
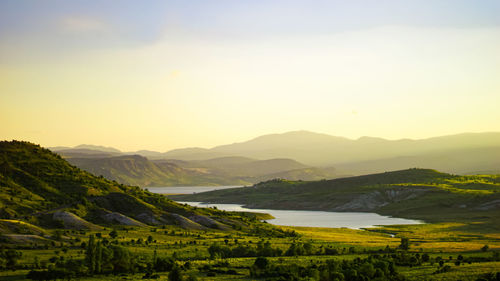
59, 222
445, 242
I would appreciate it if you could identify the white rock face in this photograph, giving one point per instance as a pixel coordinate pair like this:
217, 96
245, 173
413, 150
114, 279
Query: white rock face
115, 217
377, 199
71, 220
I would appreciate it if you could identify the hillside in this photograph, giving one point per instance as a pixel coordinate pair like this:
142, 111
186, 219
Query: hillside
84, 153
42, 189
485, 160
138, 170
465, 153
304, 174
414, 193
324, 150
246, 167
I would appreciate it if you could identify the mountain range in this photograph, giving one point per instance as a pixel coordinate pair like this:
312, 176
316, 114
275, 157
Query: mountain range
140, 171
292, 155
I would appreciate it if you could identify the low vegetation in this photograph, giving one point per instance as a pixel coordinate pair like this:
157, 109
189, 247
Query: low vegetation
414, 193
59, 222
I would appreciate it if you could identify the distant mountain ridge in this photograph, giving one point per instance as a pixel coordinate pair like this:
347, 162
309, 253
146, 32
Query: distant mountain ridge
323, 150
138, 170
355, 157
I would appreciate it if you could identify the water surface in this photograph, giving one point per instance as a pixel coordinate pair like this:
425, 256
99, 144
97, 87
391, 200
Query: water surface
187, 189
354, 220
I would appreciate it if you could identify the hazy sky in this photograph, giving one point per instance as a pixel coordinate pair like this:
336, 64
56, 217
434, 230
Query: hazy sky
166, 74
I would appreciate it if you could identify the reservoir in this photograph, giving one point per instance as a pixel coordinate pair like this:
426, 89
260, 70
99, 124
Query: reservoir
354, 220
187, 189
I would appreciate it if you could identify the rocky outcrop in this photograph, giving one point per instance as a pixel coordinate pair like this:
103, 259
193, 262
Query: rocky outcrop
117, 218
150, 219
72, 221
186, 223
491, 205
376, 199
208, 222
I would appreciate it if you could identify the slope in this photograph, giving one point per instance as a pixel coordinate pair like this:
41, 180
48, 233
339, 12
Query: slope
140, 171
40, 188
325, 150
414, 193
461, 161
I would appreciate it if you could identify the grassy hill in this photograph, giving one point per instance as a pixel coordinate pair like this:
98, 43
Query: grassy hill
59, 222
414, 193
40, 188
246, 167
138, 170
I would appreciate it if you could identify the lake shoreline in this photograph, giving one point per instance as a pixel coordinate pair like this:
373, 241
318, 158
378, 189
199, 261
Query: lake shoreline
299, 217
310, 218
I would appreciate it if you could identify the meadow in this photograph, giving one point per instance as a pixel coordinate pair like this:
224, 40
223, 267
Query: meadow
442, 251
59, 222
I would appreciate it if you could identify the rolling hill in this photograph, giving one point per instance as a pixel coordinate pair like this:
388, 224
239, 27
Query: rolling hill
466, 153
138, 170
40, 189
324, 150
414, 193
246, 167
484, 160
462, 153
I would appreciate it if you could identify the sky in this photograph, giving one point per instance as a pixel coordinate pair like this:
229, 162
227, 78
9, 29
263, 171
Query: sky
160, 75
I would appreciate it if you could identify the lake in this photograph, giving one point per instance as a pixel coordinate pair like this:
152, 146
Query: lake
354, 220
187, 189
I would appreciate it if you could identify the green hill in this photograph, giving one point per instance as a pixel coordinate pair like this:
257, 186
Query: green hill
41, 188
484, 160
138, 170
414, 193
246, 167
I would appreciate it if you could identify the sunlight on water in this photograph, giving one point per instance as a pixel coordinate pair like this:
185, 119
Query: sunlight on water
354, 220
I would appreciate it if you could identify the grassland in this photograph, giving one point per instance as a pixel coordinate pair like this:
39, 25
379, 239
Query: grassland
53, 226
414, 193
439, 241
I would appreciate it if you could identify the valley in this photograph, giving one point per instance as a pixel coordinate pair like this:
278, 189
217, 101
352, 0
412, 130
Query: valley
414, 193
298, 155
250, 140
59, 222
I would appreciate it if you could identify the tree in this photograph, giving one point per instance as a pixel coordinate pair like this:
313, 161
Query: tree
121, 259
405, 243
425, 257
485, 248
98, 258
175, 274
11, 256
90, 254
261, 262
113, 234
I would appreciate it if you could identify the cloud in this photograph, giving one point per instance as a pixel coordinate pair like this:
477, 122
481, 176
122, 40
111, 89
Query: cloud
82, 24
